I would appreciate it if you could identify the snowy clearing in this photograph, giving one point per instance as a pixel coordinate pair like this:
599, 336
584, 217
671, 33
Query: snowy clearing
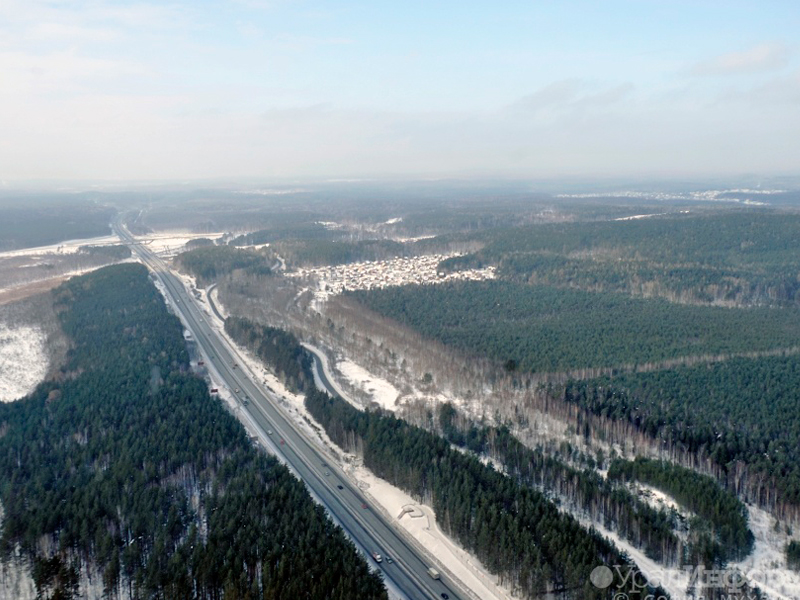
379, 390
23, 360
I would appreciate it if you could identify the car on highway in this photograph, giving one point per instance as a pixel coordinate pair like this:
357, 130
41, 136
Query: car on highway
341, 487
269, 431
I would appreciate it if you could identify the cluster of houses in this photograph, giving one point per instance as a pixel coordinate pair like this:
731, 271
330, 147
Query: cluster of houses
420, 270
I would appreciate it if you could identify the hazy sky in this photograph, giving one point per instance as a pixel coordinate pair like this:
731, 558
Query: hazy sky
177, 90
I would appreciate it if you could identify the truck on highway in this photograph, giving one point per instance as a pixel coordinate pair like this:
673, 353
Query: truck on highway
433, 573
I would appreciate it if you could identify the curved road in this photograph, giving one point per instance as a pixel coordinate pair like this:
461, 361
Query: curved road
365, 526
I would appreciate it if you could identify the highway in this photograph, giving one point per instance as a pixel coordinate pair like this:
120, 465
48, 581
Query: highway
327, 483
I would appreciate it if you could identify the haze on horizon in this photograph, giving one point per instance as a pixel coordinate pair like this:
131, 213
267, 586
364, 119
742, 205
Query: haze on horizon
133, 90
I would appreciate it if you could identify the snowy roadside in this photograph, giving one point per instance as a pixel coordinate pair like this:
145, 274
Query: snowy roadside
462, 565
292, 404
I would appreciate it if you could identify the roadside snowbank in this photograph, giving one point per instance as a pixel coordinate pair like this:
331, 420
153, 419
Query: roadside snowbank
419, 521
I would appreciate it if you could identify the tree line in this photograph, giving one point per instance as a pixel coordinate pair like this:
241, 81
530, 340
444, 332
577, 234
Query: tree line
279, 349
208, 263
701, 494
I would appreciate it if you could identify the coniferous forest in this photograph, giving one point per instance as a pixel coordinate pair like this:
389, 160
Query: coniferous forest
515, 531
279, 349
547, 329
718, 531
741, 410
124, 463
207, 263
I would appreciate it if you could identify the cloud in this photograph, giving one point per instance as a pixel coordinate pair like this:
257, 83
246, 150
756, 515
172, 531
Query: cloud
758, 59
777, 91
65, 32
556, 94
570, 94
294, 42
58, 70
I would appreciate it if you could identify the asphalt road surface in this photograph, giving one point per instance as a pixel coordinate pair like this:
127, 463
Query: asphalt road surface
365, 526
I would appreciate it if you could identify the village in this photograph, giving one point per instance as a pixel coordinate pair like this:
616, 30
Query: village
417, 270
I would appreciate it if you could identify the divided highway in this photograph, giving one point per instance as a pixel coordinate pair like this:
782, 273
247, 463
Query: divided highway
365, 526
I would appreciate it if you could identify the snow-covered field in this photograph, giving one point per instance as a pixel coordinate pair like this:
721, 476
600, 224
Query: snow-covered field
23, 360
68, 247
167, 243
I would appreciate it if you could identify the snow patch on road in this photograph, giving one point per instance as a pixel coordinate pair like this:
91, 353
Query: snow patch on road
23, 360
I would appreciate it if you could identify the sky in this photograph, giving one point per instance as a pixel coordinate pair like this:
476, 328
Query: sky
293, 89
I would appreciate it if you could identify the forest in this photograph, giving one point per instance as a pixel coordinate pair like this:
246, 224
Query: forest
292, 230
737, 257
125, 462
742, 409
514, 530
27, 222
701, 494
335, 252
211, 262
548, 329
279, 349
717, 534
109, 252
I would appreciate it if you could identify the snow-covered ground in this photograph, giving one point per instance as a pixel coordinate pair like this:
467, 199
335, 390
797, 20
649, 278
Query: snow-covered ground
766, 566
378, 390
419, 521
23, 360
168, 243
68, 247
